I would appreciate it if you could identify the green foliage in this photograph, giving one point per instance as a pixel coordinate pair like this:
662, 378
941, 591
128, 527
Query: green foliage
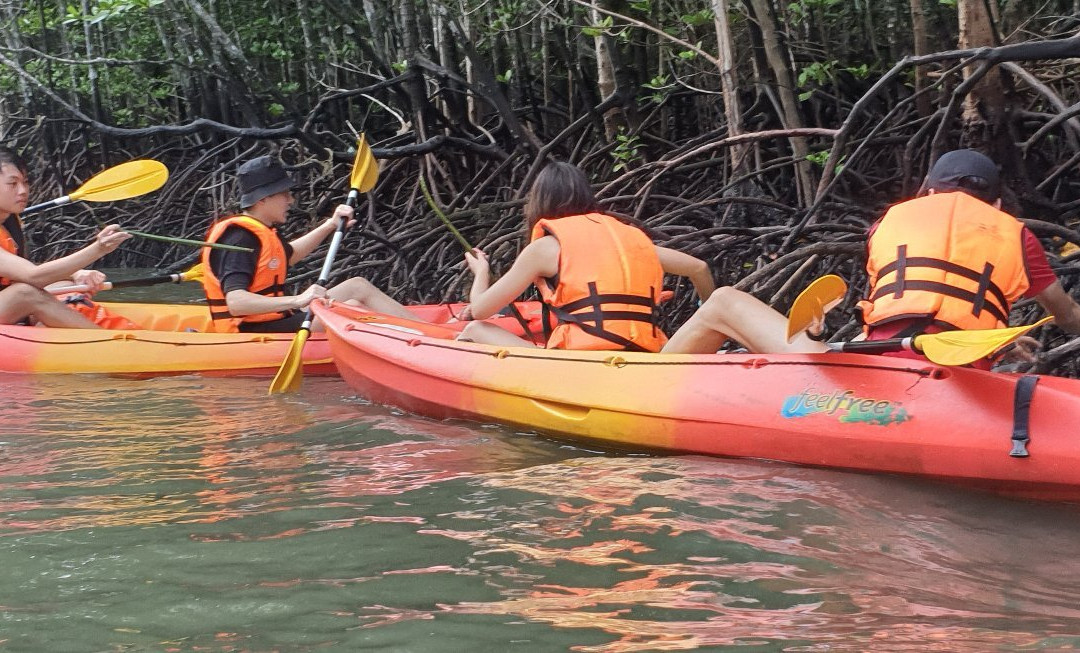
505, 77
823, 73
821, 158
698, 18
689, 54
658, 85
626, 150
644, 6
599, 28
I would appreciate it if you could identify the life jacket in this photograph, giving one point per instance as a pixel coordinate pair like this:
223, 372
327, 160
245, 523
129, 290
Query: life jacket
12, 240
95, 312
946, 259
605, 294
268, 279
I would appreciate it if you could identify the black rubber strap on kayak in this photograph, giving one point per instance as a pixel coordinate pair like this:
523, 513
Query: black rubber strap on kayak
1025, 388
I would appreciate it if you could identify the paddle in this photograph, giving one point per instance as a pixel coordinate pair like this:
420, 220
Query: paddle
946, 348
194, 273
812, 304
365, 172
119, 182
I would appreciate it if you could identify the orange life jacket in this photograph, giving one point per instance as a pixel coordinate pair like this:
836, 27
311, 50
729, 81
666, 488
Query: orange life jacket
947, 259
269, 277
11, 241
608, 286
95, 312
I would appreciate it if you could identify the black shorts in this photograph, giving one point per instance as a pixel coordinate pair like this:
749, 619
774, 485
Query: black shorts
289, 324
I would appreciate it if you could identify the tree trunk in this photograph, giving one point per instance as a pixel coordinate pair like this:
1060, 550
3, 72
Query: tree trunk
729, 83
779, 63
922, 46
606, 81
984, 108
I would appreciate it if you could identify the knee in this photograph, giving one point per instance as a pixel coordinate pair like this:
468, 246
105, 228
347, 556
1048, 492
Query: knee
357, 288
26, 295
468, 334
721, 300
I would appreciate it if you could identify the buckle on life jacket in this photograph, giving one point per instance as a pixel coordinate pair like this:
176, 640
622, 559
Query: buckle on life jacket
1025, 389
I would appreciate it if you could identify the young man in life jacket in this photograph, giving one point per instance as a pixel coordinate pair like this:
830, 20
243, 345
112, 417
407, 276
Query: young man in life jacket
246, 290
22, 297
948, 260
599, 278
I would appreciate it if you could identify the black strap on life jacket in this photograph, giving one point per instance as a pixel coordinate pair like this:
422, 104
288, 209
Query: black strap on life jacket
592, 322
1025, 389
988, 296
520, 319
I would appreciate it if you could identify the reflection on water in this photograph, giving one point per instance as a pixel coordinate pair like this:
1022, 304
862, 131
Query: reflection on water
187, 514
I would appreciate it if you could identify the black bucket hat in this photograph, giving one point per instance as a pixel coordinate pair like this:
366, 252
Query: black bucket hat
262, 177
966, 170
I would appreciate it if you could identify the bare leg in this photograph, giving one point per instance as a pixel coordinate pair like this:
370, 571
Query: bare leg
489, 334
19, 300
731, 313
365, 294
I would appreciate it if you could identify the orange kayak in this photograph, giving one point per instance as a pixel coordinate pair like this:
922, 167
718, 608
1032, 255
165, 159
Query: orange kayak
176, 339
847, 411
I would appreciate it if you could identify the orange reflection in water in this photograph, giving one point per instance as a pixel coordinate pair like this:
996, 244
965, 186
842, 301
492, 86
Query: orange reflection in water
840, 560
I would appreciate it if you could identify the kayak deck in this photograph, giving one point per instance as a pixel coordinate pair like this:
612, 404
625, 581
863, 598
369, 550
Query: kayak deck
176, 339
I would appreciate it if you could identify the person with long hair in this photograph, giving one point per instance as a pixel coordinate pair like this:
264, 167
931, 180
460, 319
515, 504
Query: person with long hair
599, 278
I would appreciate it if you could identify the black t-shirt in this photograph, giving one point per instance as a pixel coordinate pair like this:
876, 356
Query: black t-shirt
235, 269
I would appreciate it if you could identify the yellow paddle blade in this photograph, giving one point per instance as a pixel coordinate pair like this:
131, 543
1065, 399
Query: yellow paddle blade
964, 347
291, 373
120, 182
365, 169
812, 303
194, 273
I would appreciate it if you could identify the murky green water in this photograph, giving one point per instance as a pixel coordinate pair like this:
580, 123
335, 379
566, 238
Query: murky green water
191, 514
194, 514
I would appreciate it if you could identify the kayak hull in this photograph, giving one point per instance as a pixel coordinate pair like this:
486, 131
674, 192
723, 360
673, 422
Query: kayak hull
176, 342
846, 411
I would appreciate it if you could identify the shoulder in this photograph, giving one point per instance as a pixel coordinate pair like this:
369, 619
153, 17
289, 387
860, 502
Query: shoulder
543, 247
236, 234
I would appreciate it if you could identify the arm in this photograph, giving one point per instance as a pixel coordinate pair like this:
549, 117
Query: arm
19, 269
307, 243
1058, 303
690, 267
244, 302
539, 259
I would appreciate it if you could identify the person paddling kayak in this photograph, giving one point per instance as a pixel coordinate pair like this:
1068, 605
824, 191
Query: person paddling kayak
599, 278
22, 297
949, 259
246, 290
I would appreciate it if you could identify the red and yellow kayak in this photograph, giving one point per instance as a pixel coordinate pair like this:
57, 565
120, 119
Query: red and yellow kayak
847, 411
176, 339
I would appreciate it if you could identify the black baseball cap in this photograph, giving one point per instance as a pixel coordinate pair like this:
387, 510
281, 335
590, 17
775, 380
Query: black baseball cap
262, 177
966, 170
